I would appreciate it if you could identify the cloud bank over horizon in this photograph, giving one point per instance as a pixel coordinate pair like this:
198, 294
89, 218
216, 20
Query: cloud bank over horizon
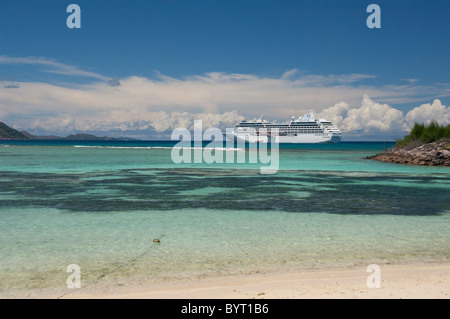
373, 119
150, 107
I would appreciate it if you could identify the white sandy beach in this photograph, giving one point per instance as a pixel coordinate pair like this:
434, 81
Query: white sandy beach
397, 282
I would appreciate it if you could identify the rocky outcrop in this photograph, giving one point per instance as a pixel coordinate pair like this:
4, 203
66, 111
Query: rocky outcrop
429, 154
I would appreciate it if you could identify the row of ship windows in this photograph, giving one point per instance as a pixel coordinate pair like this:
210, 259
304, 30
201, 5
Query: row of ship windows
292, 131
317, 134
306, 131
288, 129
282, 127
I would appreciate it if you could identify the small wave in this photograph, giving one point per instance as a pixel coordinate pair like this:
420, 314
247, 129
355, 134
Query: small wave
161, 147
121, 147
87, 146
208, 148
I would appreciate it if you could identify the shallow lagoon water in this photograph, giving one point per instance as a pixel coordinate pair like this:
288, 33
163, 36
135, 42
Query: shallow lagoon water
101, 207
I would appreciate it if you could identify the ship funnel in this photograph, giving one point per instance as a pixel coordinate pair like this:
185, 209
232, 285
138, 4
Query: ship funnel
309, 117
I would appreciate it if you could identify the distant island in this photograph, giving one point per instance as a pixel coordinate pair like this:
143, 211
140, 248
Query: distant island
8, 133
425, 145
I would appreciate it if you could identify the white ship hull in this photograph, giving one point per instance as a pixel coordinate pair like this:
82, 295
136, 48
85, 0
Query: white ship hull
301, 138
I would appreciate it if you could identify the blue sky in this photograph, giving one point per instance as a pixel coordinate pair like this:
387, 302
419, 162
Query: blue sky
224, 60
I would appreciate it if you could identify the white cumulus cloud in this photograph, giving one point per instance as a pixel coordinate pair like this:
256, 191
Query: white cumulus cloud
368, 118
425, 113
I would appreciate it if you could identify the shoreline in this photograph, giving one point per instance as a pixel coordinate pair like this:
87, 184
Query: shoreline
427, 154
397, 281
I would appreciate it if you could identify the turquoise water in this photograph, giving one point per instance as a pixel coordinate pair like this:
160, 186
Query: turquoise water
100, 205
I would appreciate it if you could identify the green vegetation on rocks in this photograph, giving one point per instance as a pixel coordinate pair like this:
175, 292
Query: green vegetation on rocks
422, 133
427, 145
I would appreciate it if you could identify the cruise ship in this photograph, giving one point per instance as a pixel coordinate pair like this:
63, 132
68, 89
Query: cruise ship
306, 129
